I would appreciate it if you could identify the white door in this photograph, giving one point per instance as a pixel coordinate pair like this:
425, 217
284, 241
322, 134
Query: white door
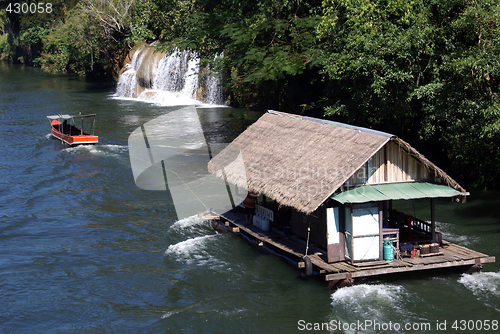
348, 233
332, 226
365, 232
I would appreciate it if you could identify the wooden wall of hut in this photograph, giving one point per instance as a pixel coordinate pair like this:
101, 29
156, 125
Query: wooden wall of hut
390, 164
317, 222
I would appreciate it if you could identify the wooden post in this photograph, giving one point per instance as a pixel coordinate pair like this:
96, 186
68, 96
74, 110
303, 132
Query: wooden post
380, 234
390, 213
433, 222
352, 238
342, 232
385, 217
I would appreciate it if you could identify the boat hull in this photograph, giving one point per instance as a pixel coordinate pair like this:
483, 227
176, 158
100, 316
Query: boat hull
82, 139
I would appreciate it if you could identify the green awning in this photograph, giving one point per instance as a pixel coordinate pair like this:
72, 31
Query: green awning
395, 191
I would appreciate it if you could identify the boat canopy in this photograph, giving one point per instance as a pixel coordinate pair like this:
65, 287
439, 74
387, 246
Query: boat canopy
396, 191
69, 116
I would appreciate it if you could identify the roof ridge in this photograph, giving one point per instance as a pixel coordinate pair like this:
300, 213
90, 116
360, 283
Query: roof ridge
334, 123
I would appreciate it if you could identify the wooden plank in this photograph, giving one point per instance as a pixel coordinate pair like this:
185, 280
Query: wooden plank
338, 267
408, 264
487, 259
431, 254
370, 264
346, 266
449, 256
401, 264
315, 260
465, 251
390, 270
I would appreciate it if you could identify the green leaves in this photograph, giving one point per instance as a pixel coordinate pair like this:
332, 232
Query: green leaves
426, 71
265, 43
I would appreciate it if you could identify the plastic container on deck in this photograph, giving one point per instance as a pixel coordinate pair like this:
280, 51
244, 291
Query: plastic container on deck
434, 248
439, 238
256, 221
265, 224
261, 223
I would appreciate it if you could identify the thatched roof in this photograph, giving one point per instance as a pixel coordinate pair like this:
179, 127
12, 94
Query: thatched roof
438, 172
298, 161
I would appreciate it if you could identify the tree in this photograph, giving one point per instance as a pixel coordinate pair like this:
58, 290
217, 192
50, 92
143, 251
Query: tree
266, 45
425, 70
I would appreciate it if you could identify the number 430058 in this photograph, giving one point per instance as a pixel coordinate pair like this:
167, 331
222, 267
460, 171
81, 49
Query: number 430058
32, 8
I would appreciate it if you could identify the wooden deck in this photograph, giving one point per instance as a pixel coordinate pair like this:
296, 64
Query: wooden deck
293, 249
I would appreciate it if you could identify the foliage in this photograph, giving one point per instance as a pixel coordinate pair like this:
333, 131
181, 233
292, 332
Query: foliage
85, 37
425, 70
3, 22
67, 47
267, 44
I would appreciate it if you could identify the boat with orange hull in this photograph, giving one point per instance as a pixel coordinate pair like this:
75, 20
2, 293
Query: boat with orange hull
64, 128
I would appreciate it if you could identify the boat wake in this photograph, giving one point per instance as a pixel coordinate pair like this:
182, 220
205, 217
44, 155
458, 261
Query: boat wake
370, 301
485, 286
106, 150
195, 251
188, 223
449, 234
227, 313
379, 303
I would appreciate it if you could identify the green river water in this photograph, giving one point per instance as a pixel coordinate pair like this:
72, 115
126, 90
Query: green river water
84, 250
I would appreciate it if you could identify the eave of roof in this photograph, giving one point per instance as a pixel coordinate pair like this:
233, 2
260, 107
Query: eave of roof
396, 191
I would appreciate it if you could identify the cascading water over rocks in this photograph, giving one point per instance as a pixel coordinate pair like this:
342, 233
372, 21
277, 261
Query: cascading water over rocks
173, 79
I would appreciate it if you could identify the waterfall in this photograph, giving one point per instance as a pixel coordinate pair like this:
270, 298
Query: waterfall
213, 86
169, 79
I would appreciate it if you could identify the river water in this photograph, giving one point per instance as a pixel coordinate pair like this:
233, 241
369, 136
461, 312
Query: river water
83, 249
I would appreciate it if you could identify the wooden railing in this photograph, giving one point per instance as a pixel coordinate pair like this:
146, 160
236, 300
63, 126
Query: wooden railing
260, 210
421, 226
416, 224
264, 212
239, 199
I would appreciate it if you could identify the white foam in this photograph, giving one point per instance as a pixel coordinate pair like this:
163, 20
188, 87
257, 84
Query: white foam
79, 148
115, 148
168, 314
110, 150
188, 246
448, 233
173, 79
194, 251
208, 106
188, 223
370, 301
482, 284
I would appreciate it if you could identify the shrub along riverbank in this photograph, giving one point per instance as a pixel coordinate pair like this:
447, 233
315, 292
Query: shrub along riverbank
425, 70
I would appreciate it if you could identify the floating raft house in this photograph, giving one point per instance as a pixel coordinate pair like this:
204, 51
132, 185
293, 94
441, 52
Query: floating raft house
326, 193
